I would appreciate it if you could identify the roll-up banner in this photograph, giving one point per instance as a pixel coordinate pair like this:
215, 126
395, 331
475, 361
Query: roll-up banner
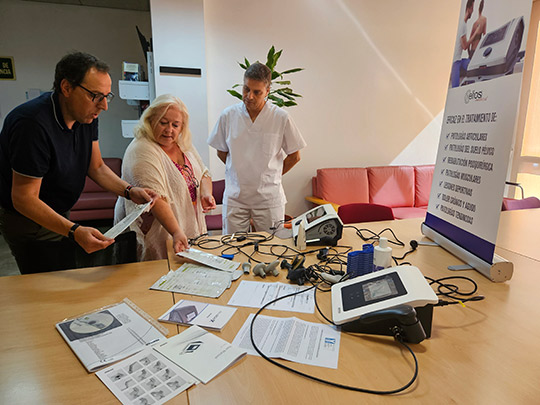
477, 132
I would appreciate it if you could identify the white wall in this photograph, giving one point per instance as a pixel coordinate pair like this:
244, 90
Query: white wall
376, 75
37, 35
178, 37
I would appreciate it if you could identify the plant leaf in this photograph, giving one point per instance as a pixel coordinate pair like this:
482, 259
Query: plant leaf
236, 85
277, 101
242, 66
283, 82
270, 57
276, 57
247, 63
235, 94
292, 71
284, 94
275, 75
289, 103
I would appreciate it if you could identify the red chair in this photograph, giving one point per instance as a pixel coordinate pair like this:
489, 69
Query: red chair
364, 212
213, 221
510, 204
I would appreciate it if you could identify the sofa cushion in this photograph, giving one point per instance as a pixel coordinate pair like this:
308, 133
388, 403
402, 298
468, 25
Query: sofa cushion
343, 185
409, 212
423, 177
98, 200
392, 186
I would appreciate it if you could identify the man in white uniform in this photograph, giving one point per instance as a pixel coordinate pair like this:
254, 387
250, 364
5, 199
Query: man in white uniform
258, 142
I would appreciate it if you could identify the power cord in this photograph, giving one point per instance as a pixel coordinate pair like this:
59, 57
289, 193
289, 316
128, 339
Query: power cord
452, 291
397, 337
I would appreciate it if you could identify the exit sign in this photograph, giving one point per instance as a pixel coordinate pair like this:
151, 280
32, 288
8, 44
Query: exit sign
7, 68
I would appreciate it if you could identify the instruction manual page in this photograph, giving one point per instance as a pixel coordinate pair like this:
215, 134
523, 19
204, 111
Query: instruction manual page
110, 334
201, 353
291, 339
255, 294
145, 378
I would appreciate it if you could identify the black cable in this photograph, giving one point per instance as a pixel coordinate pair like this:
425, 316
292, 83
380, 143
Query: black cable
375, 236
397, 337
453, 292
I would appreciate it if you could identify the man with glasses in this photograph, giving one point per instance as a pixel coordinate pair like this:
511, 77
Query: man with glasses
47, 148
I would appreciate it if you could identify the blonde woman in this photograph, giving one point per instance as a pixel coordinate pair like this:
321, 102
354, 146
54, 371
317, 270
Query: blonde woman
162, 158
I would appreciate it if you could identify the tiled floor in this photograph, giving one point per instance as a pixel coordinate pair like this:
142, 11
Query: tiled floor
8, 267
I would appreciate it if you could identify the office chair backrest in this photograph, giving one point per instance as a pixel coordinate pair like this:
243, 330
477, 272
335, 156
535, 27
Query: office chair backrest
213, 221
218, 187
363, 212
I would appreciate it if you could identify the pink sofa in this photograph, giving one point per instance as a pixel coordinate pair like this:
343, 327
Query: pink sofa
405, 189
94, 202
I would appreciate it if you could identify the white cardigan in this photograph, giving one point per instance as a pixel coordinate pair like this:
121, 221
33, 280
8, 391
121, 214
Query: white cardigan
145, 164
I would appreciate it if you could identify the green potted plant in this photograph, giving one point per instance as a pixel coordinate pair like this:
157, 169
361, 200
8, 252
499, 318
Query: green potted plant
281, 94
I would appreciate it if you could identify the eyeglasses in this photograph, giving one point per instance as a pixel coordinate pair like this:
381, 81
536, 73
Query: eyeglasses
188, 173
98, 97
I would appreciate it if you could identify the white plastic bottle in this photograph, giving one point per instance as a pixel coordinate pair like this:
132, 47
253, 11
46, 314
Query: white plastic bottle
382, 255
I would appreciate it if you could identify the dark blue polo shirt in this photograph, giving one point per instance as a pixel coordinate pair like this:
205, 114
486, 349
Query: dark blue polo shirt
35, 142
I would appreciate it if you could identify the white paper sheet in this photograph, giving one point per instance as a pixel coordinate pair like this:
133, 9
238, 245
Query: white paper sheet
201, 353
210, 260
145, 378
194, 279
127, 221
105, 336
255, 294
205, 315
291, 339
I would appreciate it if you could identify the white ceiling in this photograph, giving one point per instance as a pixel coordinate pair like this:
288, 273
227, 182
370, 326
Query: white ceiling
138, 5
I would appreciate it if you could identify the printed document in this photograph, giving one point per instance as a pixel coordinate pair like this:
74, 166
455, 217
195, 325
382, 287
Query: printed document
255, 294
200, 353
194, 279
291, 339
110, 334
210, 260
145, 378
205, 315
127, 221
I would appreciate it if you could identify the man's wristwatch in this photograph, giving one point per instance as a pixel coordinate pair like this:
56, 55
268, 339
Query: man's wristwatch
71, 233
126, 192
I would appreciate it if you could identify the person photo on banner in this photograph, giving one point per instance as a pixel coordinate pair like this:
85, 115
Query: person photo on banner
459, 66
479, 29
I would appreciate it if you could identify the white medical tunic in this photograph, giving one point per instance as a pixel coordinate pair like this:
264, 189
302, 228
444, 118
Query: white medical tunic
256, 151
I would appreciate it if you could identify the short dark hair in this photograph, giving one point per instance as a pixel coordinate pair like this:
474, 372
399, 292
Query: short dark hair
470, 3
259, 72
73, 68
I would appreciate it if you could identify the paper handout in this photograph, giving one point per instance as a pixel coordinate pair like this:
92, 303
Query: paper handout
110, 334
201, 353
127, 221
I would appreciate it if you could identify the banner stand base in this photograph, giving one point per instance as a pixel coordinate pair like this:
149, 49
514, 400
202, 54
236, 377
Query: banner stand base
499, 271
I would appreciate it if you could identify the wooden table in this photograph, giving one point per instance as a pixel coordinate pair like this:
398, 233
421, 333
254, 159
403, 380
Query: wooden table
483, 353
519, 232
36, 364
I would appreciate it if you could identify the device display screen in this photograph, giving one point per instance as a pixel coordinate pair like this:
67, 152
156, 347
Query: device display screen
315, 214
371, 291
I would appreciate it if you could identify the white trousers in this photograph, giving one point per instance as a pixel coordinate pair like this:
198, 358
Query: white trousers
236, 219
